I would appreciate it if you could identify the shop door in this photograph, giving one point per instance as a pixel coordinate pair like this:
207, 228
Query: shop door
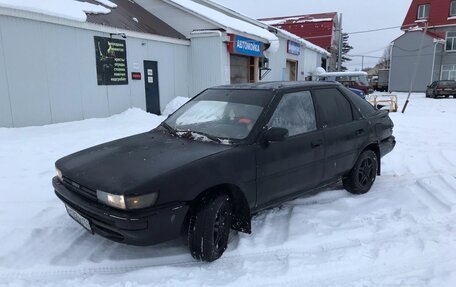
291, 71
152, 91
239, 67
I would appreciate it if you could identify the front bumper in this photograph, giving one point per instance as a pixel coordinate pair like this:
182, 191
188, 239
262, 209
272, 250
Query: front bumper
387, 145
142, 227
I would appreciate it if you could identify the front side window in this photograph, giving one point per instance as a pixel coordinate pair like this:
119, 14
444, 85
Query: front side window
332, 106
296, 113
451, 41
222, 114
453, 8
423, 11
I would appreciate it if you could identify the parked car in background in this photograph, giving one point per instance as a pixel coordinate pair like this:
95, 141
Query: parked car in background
227, 154
355, 80
441, 89
359, 93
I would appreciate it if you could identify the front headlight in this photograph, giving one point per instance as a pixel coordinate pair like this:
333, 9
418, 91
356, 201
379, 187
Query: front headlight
127, 202
59, 174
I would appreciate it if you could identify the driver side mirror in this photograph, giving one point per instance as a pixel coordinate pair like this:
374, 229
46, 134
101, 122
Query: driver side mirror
275, 134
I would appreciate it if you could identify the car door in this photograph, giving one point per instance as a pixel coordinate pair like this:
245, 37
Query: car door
345, 131
291, 166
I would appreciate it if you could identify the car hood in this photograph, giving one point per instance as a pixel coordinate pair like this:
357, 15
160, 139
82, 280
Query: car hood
123, 166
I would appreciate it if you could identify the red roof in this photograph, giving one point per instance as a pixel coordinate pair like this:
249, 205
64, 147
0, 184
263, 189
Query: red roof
316, 28
439, 13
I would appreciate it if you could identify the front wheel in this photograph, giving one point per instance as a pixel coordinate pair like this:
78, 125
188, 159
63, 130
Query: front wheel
209, 228
362, 176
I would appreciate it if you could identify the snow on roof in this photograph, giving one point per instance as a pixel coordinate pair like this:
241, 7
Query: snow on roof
303, 42
107, 3
341, 74
68, 9
295, 20
308, 18
225, 20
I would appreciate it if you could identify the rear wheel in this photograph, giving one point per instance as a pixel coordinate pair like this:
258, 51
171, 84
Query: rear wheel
209, 228
362, 176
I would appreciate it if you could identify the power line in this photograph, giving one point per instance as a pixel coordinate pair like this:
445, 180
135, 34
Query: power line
380, 29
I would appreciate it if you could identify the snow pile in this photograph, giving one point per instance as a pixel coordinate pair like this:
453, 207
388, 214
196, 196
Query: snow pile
68, 9
227, 21
174, 104
401, 233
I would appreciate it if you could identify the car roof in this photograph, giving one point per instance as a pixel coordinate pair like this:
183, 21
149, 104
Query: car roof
280, 85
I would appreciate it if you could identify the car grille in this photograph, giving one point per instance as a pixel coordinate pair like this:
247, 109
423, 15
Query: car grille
79, 189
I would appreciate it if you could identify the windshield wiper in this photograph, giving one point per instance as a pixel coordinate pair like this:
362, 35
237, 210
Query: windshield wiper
190, 132
169, 128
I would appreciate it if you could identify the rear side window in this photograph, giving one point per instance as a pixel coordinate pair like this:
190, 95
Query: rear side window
296, 113
361, 105
332, 106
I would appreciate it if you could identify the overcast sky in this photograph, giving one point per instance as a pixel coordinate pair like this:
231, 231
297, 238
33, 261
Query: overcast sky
358, 15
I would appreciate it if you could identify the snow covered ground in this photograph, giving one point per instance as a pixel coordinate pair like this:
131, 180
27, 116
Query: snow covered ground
402, 233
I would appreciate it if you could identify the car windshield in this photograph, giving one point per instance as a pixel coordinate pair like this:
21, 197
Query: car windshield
221, 114
363, 80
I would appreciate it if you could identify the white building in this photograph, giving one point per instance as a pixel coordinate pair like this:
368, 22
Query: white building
60, 65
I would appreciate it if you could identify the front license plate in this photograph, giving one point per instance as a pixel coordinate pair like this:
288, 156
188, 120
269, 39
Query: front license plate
79, 218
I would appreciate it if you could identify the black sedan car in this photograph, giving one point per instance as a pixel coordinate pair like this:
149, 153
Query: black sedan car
441, 89
227, 154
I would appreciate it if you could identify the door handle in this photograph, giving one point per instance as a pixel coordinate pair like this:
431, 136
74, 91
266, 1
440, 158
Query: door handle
316, 143
360, 132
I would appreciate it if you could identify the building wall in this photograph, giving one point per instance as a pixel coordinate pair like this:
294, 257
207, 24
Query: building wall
443, 57
48, 74
278, 63
439, 60
208, 62
312, 62
308, 61
404, 61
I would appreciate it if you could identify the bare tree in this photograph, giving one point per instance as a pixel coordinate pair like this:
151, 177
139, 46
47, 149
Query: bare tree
384, 62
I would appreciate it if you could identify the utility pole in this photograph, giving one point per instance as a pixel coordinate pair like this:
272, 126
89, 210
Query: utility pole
339, 62
417, 64
362, 63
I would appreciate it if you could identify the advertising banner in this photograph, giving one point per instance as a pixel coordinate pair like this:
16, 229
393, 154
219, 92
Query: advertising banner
245, 46
111, 59
294, 48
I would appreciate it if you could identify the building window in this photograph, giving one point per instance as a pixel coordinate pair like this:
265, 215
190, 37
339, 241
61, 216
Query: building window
423, 11
448, 72
450, 41
453, 8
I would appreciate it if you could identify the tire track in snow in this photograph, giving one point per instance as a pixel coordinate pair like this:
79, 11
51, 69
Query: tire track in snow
436, 193
228, 258
348, 275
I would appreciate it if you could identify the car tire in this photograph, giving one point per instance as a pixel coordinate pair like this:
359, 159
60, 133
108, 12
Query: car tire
362, 176
209, 228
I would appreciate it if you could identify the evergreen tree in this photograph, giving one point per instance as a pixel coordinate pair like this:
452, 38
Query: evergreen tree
346, 48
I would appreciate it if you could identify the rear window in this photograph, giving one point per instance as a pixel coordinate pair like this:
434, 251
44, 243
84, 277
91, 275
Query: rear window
447, 83
333, 108
361, 105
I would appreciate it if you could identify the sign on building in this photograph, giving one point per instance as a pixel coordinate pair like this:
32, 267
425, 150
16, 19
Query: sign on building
245, 46
111, 58
294, 48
